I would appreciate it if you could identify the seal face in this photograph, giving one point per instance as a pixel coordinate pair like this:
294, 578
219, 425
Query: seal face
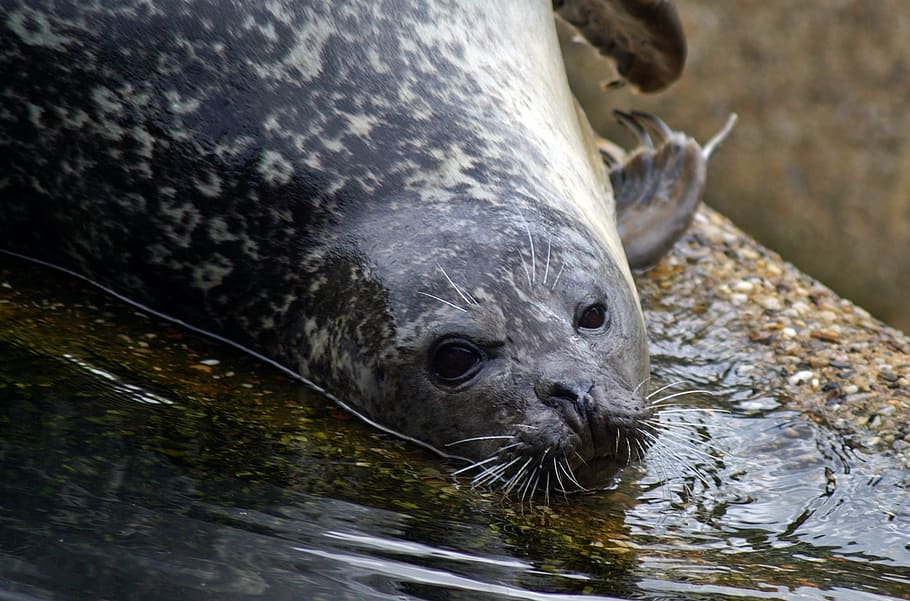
398, 201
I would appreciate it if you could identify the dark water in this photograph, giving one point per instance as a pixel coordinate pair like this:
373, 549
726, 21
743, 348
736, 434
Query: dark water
132, 468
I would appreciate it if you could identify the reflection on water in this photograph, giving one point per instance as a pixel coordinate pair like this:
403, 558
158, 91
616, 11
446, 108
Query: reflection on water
122, 481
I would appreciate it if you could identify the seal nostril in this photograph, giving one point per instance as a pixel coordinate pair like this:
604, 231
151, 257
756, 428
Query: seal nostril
564, 394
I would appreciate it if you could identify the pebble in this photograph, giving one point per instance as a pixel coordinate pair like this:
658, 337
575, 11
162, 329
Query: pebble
772, 303
743, 286
738, 298
801, 377
210, 362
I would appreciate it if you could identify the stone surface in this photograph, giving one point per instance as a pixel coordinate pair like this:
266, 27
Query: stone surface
818, 167
739, 309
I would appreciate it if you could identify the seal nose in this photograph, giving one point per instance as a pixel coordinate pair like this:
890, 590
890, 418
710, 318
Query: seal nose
573, 395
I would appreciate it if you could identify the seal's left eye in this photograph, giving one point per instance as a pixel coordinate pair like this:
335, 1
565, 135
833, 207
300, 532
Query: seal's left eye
455, 362
593, 317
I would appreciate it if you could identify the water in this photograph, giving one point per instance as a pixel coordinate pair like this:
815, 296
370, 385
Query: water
131, 469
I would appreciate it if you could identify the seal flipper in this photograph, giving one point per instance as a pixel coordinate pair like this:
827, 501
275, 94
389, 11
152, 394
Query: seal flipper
644, 37
657, 188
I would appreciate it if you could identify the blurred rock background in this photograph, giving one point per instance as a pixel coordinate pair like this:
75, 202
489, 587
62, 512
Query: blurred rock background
818, 167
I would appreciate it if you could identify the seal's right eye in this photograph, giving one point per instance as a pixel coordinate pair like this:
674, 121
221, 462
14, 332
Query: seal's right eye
455, 361
593, 318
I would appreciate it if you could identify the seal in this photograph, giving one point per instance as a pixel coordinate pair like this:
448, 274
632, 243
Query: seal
399, 202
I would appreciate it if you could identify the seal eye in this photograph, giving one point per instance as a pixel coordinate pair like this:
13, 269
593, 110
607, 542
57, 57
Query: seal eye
455, 361
593, 317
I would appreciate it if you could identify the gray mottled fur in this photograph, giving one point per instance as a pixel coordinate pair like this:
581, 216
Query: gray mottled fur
338, 185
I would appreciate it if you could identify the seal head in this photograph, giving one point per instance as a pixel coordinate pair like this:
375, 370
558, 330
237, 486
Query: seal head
511, 345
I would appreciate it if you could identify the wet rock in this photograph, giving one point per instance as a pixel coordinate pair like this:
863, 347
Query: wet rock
816, 352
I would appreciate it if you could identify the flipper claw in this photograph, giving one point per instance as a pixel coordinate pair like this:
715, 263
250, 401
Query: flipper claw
658, 188
632, 124
656, 123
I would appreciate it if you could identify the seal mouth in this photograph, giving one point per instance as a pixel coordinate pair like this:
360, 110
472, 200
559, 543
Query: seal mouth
607, 435
567, 452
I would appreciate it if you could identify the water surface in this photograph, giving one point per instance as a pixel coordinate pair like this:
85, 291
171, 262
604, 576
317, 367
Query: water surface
139, 462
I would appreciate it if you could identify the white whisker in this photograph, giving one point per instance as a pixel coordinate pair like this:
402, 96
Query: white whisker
546, 269
553, 287
679, 394
640, 384
517, 477
474, 465
662, 388
525, 265
462, 293
533, 258
453, 305
695, 410
476, 438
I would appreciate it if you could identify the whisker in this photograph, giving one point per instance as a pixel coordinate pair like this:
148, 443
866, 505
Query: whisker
474, 465
453, 305
463, 294
546, 269
562, 487
534, 486
493, 473
525, 265
661, 442
570, 474
640, 384
580, 458
533, 259
561, 267
517, 477
476, 438
679, 394
695, 410
662, 388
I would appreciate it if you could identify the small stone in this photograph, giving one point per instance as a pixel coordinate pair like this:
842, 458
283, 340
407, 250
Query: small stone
748, 253
788, 333
738, 298
817, 362
801, 377
800, 307
210, 362
851, 389
826, 334
743, 286
771, 303
761, 337
887, 410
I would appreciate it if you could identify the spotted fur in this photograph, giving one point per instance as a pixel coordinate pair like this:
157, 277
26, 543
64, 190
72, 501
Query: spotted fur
338, 185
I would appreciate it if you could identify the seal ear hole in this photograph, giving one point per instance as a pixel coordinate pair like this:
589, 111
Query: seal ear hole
592, 318
455, 361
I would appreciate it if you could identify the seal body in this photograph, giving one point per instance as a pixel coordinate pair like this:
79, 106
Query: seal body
397, 200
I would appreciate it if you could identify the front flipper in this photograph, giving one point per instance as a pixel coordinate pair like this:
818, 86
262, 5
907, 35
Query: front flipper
657, 188
644, 37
